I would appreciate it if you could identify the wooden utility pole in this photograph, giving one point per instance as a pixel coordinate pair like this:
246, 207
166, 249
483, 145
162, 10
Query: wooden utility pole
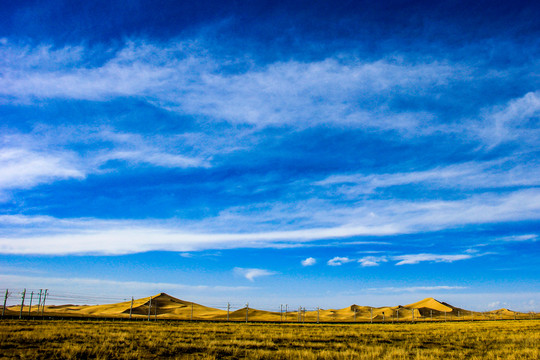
43, 304
30, 307
149, 307
397, 315
247, 312
5, 300
22, 303
131, 309
39, 301
383, 317
228, 309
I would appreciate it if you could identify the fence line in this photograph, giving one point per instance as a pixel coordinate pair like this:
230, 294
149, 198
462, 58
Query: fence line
19, 303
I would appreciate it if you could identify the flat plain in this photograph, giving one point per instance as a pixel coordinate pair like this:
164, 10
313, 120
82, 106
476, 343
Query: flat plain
57, 339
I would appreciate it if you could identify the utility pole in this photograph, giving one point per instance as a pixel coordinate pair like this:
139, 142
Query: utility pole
39, 302
5, 300
397, 315
298, 314
383, 317
281, 312
228, 309
431, 314
43, 304
371, 311
30, 307
131, 308
22, 303
149, 308
247, 312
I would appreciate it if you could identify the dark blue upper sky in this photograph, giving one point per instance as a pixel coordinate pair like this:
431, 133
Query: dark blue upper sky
221, 150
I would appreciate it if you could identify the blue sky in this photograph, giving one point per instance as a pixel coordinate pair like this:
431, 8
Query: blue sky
295, 152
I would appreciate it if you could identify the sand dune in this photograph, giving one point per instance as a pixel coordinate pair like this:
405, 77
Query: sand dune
164, 306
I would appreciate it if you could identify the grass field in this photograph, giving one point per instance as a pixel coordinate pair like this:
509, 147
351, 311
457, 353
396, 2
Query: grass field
186, 340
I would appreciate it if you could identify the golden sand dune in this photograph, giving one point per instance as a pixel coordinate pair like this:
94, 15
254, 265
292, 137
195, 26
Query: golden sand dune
430, 303
164, 306
503, 312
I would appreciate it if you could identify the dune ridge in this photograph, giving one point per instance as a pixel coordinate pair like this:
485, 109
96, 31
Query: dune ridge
165, 306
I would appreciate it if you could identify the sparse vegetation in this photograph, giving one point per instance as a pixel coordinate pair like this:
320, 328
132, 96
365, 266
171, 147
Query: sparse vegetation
192, 340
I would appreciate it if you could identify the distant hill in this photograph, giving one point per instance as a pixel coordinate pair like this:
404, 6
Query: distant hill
164, 306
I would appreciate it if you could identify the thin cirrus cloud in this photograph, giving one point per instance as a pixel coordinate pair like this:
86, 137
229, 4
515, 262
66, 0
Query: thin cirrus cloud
471, 175
515, 120
48, 235
30, 160
418, 258
181, 78
185, 78
251, 274
409, 259
22, 168
338, 261
519, 238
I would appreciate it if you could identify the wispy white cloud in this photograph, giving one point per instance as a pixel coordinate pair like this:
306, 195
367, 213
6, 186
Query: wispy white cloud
28, 160
338, 261
471, 175
418, 258
372, 260
22, 168
47, 235
251, 274
515, 120
309, 261
525, 237
183, 78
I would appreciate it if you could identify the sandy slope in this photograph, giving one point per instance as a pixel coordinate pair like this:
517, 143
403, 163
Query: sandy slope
164, 306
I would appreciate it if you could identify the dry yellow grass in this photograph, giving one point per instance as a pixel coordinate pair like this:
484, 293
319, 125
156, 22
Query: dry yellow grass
192, 340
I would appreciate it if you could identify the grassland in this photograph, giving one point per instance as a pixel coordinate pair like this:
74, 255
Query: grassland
192, 340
